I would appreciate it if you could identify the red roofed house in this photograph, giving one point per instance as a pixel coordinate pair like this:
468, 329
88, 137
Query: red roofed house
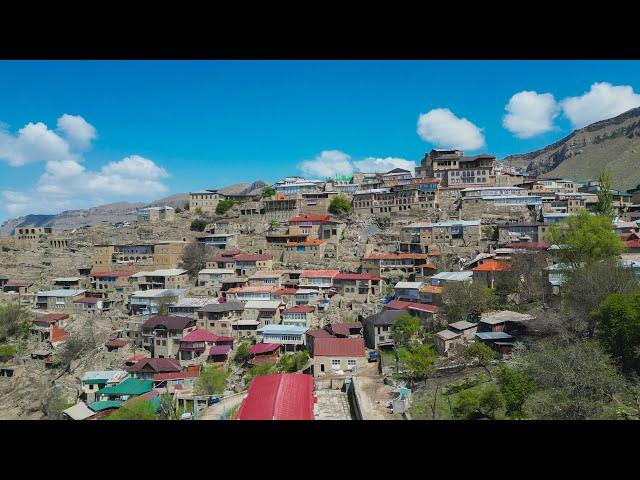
42, 325
490, 271
379, 263
195, 343
332, 355
245, 264
318, 279
300, 315
92, 304
176, 380
161, 334
116, 344
17, 286
424, 311
361, 286
285, 396
300, 252
57, 336
148, 367
633, 245
264, 352
346, 329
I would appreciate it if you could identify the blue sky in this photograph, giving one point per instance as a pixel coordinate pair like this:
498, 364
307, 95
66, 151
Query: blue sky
140, 130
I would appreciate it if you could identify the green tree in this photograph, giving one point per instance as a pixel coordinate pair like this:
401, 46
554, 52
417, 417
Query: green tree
515, 388
7, 352
588, 239
466, 300
420, 362
242, 353
168, 410
604, 206
268, 192
198, 225
404, 329
619, 329
266, 368
198, 211
194, 257
13, 317
186, 206
290, 363
481, 355
573, 380
212, 380
339, 205
585, 287
134, 409
478, 403
178, 210
223, 206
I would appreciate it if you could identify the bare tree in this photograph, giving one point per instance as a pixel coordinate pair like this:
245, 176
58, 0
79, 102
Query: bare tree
194, 257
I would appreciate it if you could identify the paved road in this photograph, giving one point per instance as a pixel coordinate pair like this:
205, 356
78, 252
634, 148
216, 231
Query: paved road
214, 412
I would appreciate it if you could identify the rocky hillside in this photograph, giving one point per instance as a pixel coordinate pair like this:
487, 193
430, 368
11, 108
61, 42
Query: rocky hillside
113, 212
612, 143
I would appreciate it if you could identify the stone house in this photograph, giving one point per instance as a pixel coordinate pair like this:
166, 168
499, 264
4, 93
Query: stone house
337, 356
161, 335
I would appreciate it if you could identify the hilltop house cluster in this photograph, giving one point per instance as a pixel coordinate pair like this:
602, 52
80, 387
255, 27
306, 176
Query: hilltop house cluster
472, 217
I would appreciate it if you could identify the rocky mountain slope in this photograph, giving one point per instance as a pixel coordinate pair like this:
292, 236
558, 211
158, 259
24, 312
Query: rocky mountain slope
113, 212
612, 144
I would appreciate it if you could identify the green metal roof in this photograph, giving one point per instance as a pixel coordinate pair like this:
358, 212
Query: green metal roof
104, 405
343, 178
130, 386
95, 381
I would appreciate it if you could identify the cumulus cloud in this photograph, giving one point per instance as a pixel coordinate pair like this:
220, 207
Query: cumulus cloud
66, 181
443, 129
328, 164
331, 163
33, 143
78, 132
530, 113
131, 176
373, 165
602, 101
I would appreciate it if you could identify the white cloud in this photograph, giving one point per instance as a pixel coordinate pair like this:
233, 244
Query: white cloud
78, 132
66, 182
530, 113
372, 165
443, 129
328, 164
602, 101
33, 143
131, 176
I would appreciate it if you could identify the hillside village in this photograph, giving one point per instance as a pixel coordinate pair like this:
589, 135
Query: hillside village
444, 293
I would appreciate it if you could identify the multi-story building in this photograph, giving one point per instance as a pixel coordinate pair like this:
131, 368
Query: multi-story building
110, 280
156, 214
161, 335
452, 167
212, 277
58, 299
206, 200
219, 318
242, 263
321, 280
300, 315
409, 198
418, 237
295, 185
149, 302
223, 241
165, 254
161, 279
289, 336
380, 263
359, 286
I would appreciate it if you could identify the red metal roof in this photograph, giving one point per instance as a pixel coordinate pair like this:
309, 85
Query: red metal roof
285, 291
493, 266
158, 365
263, 348
57, 334
355, 276
219, 350
319, 273
18, 283
87, 300
117, 343
52, 317
338, 347
199, 335
309, 218
319, 333
635, 243
286, 396
300, 309
402, 305
344, 328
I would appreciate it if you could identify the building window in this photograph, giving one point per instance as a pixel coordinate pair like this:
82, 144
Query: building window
335, 364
